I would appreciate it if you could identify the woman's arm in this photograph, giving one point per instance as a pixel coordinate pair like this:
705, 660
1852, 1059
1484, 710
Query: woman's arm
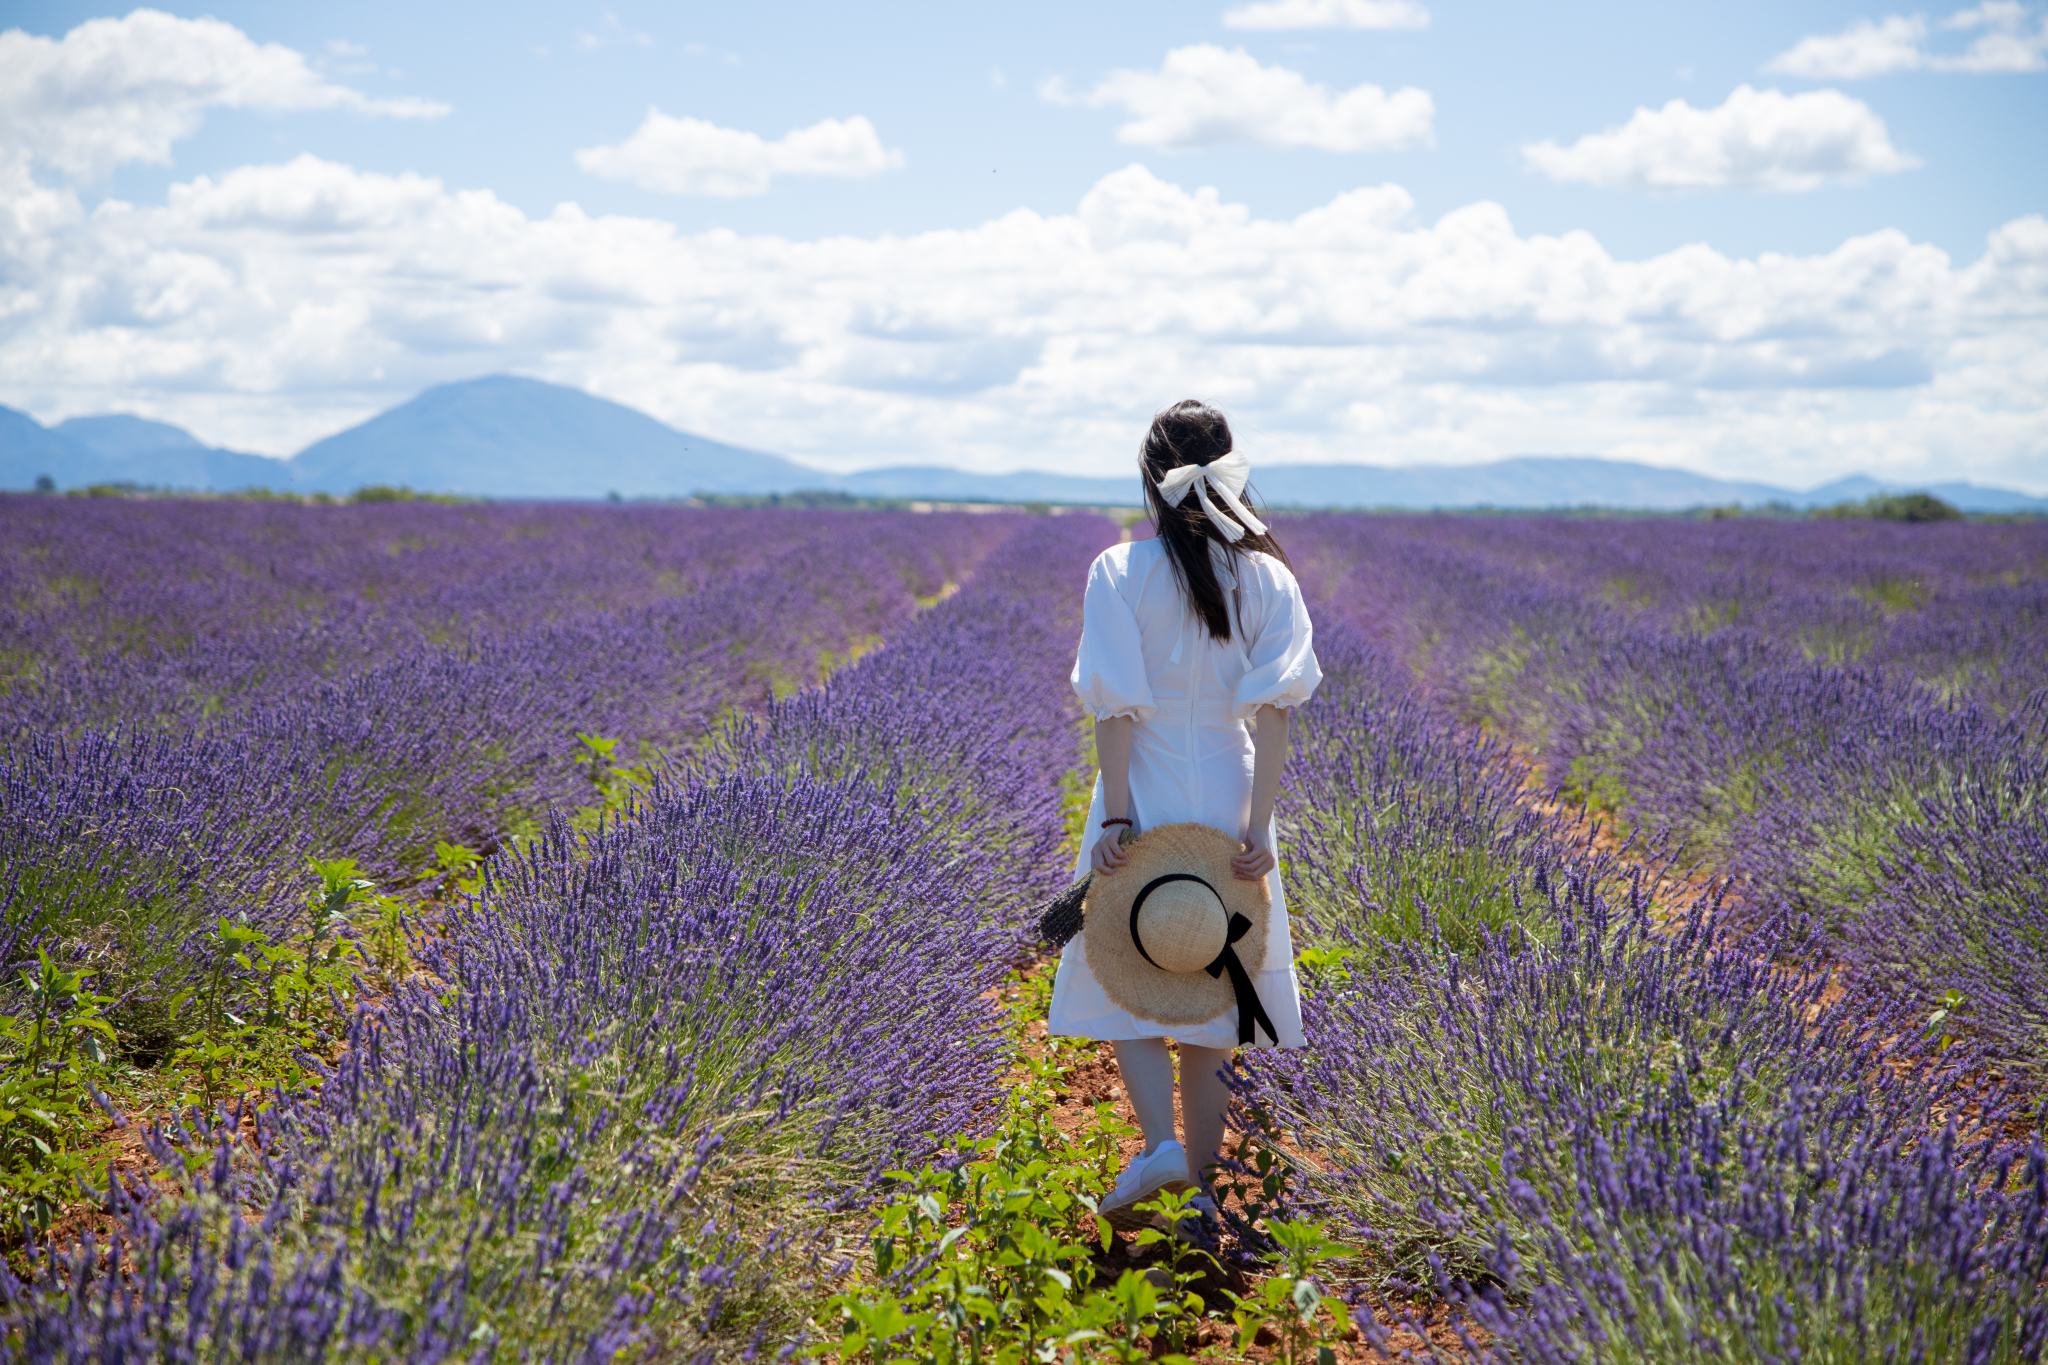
1270, 731
1113, 755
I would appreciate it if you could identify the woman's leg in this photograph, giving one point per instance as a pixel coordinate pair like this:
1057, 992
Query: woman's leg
1204, 1098
1147, 1071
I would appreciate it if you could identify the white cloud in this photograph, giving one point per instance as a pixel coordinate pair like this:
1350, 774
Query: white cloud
1861, 50
1755, 140
689, 156
275, 304
1294, 14
2006, 45
119, 90
1899, 42
1205, 95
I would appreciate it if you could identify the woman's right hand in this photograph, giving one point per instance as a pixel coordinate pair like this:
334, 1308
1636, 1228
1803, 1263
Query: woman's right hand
1108, 854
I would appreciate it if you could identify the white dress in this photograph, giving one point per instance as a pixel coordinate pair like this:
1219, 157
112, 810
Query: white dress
1146, 655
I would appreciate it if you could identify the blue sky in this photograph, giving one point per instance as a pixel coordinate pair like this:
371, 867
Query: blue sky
1011, 260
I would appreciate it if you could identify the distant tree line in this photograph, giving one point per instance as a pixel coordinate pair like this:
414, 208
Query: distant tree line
45, 486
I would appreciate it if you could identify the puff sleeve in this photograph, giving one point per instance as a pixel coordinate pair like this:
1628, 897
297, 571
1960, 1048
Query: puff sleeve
1281, 668
1109, 668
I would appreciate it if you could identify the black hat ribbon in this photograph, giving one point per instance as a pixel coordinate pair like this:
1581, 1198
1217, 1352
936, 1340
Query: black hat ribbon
1250, 1013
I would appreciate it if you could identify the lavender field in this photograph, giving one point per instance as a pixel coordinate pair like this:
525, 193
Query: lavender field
593, 933
1796, 1114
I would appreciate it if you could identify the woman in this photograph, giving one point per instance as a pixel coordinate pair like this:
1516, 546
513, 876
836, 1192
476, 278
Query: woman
1193, 647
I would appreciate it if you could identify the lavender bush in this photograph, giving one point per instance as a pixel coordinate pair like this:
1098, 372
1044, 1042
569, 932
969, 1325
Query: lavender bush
1525, 986
1790, 701
1401, 825
1438, 1103
1767, 1243
1986, 851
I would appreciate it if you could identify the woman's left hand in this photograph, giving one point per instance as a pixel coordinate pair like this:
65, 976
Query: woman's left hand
1256, 860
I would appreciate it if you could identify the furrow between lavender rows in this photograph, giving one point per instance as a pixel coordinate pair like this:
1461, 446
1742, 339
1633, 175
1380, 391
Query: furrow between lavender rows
650, 1069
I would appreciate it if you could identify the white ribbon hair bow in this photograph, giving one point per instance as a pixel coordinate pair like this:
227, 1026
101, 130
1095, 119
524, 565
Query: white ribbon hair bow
1227, 477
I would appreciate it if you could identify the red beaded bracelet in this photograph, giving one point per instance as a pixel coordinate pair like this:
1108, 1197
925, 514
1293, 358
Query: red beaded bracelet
1117, 820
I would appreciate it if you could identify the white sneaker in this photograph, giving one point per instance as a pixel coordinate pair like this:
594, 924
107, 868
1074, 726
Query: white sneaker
1165, 1169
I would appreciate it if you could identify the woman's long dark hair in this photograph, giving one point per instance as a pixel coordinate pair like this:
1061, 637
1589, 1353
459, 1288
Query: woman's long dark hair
1195, 433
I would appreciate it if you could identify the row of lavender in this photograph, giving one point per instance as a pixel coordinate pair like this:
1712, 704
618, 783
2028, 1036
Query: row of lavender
1851, 718
212, 693
165, 615
1961, 608
651, 1065
1597, 1140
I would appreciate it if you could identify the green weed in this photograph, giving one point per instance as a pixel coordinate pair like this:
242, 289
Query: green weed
56, 1044
993, 1259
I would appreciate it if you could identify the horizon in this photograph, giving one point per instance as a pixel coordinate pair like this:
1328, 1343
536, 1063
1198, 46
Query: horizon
1806, 489
1763, 244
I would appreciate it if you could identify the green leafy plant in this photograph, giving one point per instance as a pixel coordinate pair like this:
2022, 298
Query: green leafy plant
460, 866
992, 1258
980, 1260
55, 1045
259, 1004
1943, 1024
1293, 1299
1180, 1305
1319, 964
614, 784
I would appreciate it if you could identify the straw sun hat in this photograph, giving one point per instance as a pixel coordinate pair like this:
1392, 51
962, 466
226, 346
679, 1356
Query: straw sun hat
1174, 937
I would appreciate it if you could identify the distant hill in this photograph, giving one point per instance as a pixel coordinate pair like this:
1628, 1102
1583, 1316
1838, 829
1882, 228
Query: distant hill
123, 449
1583, 481
129, 449
958, 485
28, 449
1971, 497
1528, 482
121, 435
510, 437
500, 436
1532, 481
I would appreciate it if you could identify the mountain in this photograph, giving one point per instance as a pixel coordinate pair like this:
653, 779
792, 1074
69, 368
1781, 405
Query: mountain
1531, 481
1973, 497
120, 435
509, 437
1527, 482
500, 436
1970, 497
123, 449
126, 449
958, 485
29, 450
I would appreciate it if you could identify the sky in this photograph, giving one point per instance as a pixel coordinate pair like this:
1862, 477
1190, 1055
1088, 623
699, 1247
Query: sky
1785, 242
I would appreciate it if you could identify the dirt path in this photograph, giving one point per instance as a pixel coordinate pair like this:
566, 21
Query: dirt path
1090, 1079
